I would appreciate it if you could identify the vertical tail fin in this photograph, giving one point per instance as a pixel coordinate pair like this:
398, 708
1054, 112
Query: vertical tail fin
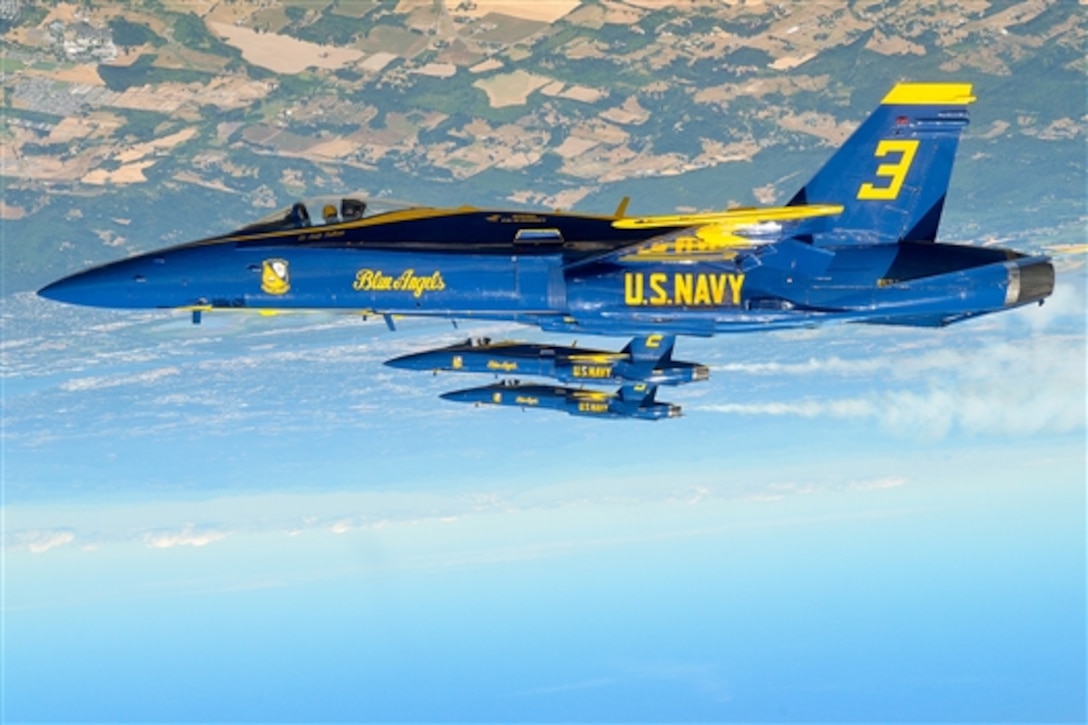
892, 174
650, 348
638, 393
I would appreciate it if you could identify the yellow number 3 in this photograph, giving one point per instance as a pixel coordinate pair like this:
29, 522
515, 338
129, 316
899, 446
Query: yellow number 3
895, 173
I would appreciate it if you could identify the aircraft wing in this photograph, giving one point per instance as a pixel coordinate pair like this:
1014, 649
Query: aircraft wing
713, 236
731, 218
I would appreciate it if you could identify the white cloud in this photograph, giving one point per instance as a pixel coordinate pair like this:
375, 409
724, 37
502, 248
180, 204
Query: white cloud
880, 483
113, 381
187, 536
1020, 386
39, 542
341, 527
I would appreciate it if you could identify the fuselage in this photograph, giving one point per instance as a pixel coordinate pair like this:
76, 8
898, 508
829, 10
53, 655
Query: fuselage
572, 401
540, 269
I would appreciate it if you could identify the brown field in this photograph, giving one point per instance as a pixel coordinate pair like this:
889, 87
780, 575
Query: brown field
334, 148
507, 29
282, 53
159, 144
546, 12
893, 45
420, 16
27, 37
64, 12
574, 146
621, 13
588, 16
127, 174
685, 4
820, 125
789, 62
388, 39
554, 88
190, 178
228, 13
234, 91
510, 89
759, 87
128, 56
11, 212
69, 129
198, 7
488, 65
583, 94
438, 70
164, 98
581, 48
376, 62
459, 53
269, 20
86, 74
629, 113
716, 152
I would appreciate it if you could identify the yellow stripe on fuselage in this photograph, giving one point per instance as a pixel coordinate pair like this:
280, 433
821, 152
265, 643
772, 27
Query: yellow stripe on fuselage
593, 395
600, 357
389, 217
731, 219
929, 94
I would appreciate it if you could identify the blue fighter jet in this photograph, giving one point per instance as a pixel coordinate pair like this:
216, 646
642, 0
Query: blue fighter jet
645, 359
857, 244
631, 401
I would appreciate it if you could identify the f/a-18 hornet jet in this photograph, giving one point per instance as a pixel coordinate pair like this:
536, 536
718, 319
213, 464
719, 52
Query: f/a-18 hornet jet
857, 243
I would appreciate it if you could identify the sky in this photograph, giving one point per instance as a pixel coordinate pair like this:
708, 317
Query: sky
253, 519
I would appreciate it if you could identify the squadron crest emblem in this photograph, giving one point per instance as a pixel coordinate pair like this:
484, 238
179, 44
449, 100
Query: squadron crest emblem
275, 276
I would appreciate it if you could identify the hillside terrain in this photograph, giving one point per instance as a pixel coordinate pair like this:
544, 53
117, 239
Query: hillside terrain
128, 126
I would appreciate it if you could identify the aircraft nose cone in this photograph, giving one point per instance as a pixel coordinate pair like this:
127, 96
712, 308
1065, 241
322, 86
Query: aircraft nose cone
74, 290
121, 284
415, 361
463, 396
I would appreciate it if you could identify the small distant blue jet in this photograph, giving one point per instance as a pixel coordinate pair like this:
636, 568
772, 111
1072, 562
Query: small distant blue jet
857, 243
631, 401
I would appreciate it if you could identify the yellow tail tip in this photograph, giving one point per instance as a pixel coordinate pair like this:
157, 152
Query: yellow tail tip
929, 94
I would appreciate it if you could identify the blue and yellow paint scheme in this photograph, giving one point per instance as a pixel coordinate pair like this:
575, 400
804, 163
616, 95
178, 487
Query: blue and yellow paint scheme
857, 243
636, 400
645, 360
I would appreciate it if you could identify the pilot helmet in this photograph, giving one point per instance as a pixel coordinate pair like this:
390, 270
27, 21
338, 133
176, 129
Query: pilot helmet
329, 212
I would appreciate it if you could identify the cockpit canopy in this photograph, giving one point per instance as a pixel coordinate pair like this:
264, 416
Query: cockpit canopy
321, 210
